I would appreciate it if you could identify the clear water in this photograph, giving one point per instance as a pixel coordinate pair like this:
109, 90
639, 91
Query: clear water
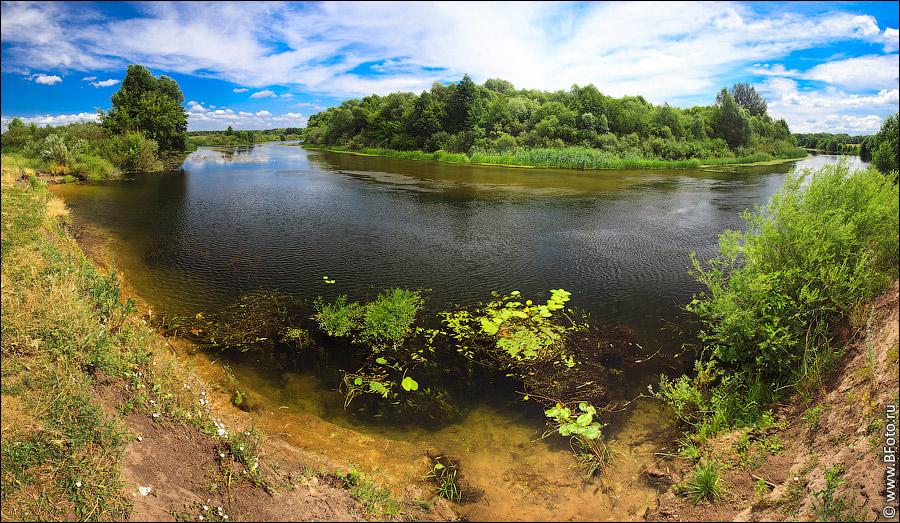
274, 216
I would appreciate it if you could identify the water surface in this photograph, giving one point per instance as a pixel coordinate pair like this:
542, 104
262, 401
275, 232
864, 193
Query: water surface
279, 217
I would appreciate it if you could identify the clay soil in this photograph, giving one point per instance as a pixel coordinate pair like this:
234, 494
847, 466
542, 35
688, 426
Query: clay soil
842, 426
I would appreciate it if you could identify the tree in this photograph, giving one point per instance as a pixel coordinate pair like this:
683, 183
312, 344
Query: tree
149, 105
461, 106
747, 98
733, 123
884, 146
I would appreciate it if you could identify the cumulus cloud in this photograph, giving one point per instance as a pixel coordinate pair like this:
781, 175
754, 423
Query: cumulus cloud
89, 78
105, 83
52, 120
680, 53
201, 118
42, 78
240, 90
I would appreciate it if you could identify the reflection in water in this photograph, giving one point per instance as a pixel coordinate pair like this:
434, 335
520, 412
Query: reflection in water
236, 220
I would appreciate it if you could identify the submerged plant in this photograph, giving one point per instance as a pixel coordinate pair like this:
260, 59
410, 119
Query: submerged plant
586, 438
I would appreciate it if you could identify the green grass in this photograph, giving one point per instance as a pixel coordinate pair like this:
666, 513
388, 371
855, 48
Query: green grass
66, 329
705, 483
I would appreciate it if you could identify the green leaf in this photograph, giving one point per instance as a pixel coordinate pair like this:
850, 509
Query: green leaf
380, 361
409, 384
357, 381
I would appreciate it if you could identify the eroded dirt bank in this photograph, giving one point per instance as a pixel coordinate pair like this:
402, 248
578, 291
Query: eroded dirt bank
781, 474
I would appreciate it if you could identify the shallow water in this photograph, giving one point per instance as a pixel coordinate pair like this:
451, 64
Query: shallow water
279, 217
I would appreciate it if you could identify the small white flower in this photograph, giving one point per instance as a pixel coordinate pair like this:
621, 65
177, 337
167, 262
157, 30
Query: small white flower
225, 516
221, 455
77, 484
140, 438
144, 490
242, 448
200, 518
205, 507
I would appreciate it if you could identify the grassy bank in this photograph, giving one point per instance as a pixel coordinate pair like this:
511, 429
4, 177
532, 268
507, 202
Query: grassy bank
91, 395
564, 158
782, 304
66, 331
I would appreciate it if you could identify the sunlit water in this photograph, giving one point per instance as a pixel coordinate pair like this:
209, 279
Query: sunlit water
280, 217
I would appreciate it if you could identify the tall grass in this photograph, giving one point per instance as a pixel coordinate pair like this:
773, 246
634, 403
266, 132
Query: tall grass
565, 158
65, 330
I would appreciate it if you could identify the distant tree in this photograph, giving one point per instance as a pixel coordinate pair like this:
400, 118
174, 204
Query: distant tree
884, 146
499, 86
460, 107
229, 131
733, 122
149, 105
16, 124
865, 150
747, 98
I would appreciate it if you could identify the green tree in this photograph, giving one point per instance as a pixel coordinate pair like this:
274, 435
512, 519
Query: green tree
884, 146
747, 98
461, 106
149, 105
733, 122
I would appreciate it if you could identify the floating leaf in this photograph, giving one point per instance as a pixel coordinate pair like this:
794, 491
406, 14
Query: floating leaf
409, 384
380, 361
357, 381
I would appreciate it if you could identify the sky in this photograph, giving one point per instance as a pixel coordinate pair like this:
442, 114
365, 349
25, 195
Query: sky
822, 66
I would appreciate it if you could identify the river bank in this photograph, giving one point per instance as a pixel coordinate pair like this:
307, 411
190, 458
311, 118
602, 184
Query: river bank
823, 459
105, 419
570, 158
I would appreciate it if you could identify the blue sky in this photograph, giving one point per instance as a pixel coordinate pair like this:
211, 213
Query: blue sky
823, 66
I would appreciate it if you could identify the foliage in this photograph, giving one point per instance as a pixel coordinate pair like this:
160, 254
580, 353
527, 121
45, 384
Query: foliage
834, 508
586, 435
747, 98
705, 483
149, 105
580, 128
826, 243
885, 147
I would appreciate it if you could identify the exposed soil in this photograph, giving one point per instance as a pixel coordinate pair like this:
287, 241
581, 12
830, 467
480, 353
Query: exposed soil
174, 472
768, 483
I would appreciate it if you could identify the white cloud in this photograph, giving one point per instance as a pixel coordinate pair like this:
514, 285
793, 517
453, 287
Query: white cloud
240, 90
42, 78
286, 95
682, 53
43, 120
89, 78
105, 83
312, 107
263, 113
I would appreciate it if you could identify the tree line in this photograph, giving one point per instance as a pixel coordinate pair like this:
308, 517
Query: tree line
495, 117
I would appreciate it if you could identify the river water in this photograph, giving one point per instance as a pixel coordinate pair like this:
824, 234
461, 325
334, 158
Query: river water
276, 216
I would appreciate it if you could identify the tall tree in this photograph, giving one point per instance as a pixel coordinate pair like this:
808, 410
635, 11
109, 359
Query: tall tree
150, 105
461, 106
747, 98
885, 144
733, 123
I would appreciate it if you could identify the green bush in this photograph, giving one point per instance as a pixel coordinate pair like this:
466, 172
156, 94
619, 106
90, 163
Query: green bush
388, 319
134, 152
827, 243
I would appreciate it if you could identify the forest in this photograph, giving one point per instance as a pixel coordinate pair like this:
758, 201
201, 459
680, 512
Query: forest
495, 120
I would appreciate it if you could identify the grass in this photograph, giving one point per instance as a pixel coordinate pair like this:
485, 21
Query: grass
66, 330
705, 483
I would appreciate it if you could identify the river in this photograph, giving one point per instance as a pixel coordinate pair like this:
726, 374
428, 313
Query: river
275, 216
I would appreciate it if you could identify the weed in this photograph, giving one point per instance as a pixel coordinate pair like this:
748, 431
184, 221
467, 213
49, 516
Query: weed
705, 483
834, 508
812, 416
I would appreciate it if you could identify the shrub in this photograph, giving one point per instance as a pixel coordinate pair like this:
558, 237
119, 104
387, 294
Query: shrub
826, 243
